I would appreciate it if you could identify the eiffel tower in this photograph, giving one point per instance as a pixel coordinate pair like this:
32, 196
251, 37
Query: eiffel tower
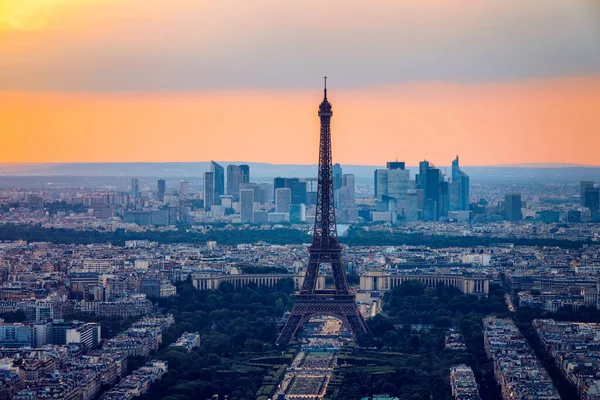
325, 249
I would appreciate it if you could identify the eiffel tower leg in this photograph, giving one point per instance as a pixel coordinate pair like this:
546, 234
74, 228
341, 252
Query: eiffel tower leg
339, 274
357, 324
310, 279
289, 329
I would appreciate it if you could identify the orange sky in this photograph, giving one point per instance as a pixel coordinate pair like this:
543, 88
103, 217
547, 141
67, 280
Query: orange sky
497, 81
546, 120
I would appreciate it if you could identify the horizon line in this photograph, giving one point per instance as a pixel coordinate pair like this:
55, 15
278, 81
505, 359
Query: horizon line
539, 164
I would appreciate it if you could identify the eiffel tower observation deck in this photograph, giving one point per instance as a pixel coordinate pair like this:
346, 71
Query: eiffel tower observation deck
340, 302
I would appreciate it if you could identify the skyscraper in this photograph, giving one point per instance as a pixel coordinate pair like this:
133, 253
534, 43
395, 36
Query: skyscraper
297, 187
455, 169
465, 191
255, 187
431, 191
583, 186
347, 192
459, 188
395, 165
392, 183
420, 178
380, 180
219, 181
444, 199
592, 198
161, 190
337, 176
236, 175
209, 190
512, 207
398, 183
183, 189
411, 212
266, 193
311, 191
592, 201
247, 206
135, 188
283, 200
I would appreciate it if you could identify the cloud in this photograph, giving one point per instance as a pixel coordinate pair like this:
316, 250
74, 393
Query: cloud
185, 45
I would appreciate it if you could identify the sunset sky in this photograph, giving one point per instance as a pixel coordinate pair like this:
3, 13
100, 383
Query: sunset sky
497, 82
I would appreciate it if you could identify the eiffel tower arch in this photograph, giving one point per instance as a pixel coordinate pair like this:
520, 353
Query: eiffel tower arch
325, 249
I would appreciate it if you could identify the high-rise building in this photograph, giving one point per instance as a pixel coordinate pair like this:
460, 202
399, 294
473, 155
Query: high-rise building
183, 189
392, 183
297, 187
347, 192
429, 180
398, 184
431, 188
430, 210
512, 207
266, 193
380, 181
465, 191
444, 206
209, 190
278, 183
162, 188
337, 176
247, 206
420, 178
219, 180
455, 169
396, 165
459, 188
583, 186
236, 175
283, 200
311, 190
255, 187
411, 212
592, 198
135, 188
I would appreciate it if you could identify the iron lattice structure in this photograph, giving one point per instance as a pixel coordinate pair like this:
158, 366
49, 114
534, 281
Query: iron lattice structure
325, 249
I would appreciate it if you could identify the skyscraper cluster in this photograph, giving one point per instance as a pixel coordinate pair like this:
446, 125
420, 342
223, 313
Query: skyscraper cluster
429, 197
303, 191
287, 199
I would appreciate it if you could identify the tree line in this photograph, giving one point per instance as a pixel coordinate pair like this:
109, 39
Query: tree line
286, 235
